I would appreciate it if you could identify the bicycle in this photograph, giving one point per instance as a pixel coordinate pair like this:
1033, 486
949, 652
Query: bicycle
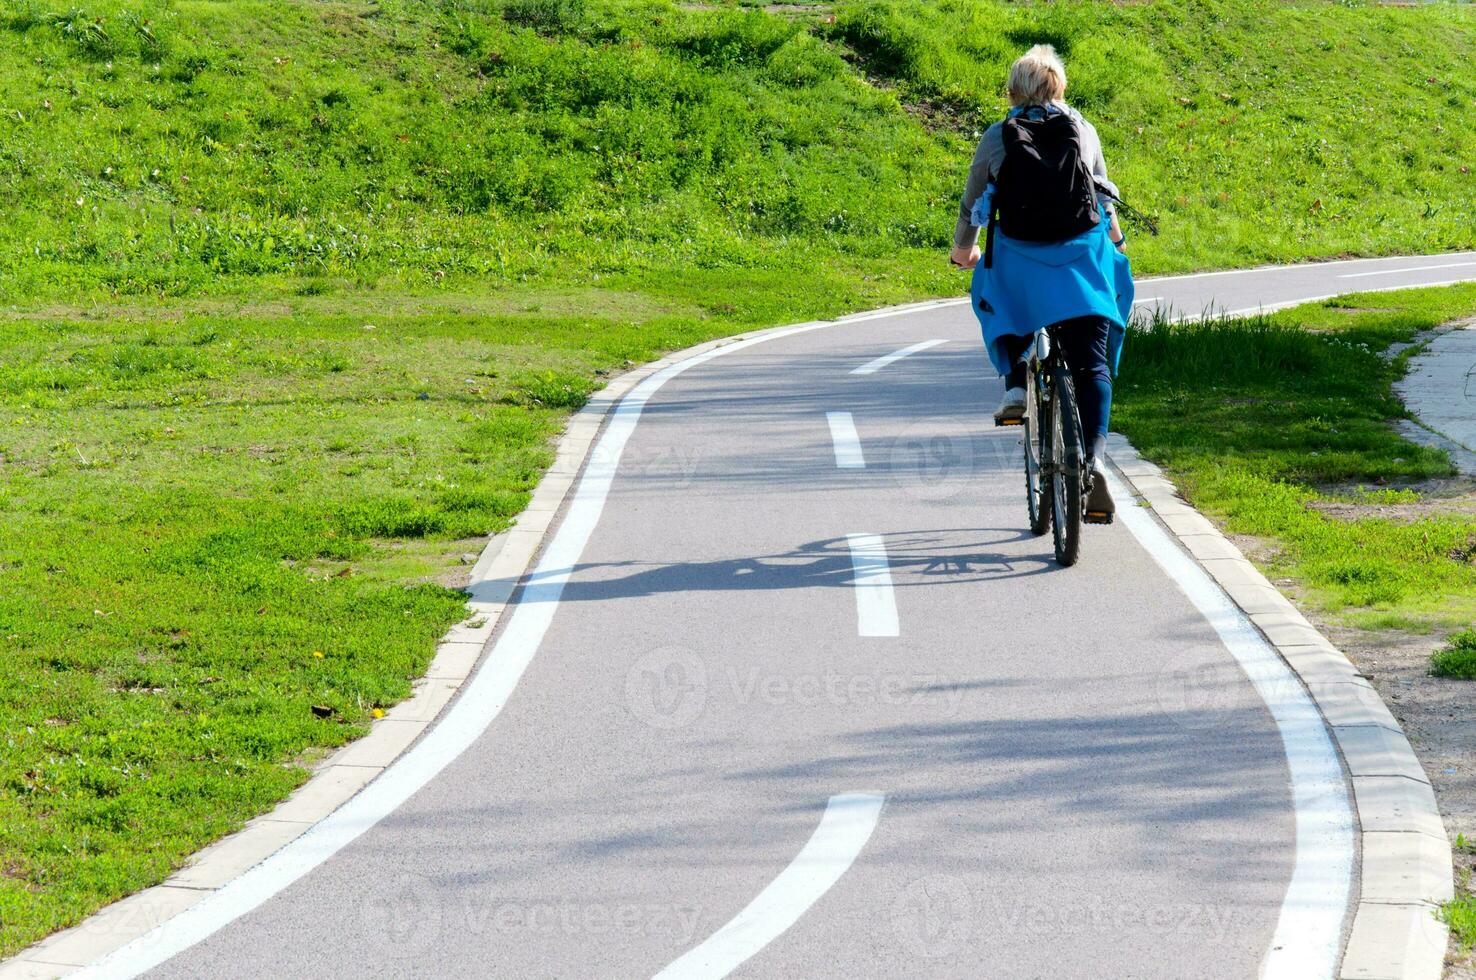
1057, 481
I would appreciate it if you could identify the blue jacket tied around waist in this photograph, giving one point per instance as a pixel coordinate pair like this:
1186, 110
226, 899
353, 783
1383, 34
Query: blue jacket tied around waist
1034, 284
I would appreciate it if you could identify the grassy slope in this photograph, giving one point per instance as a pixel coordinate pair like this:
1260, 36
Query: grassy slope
1258, 132
209, 204
188, 146
408, 141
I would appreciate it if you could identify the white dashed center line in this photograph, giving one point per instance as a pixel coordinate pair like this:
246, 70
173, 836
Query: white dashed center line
848, 454
871, 367
1413, 268
876, 607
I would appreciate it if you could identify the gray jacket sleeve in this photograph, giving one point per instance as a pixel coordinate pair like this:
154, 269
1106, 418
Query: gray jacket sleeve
1092, 145
982, 171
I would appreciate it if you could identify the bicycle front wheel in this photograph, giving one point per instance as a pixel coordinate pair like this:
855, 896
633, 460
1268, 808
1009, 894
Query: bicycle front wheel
1066, 468
1037, 448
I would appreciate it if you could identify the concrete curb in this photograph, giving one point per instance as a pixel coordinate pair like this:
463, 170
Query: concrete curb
500, 568
1406, 859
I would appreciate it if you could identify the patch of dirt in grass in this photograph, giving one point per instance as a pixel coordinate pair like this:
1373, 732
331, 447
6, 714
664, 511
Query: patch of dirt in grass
944, 115
17, 872
1435, 712
456, 574
1452, 496
1464, 506
783, 9
426, 562
1260, 551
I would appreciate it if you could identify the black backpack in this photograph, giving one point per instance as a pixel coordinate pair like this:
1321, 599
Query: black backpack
1044, 191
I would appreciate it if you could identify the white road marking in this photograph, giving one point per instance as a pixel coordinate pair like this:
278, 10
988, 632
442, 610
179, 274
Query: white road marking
1304, 300
1147, 299
871, 367
876, 607
1309, 930
844, 830
923, 307
480, 703
1278, 268
1413, 268
847, 443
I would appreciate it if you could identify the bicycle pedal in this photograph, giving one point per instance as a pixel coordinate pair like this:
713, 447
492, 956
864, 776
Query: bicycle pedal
1097, 517
1005, 423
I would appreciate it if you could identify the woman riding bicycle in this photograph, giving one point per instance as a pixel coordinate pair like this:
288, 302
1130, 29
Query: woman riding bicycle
1056, 256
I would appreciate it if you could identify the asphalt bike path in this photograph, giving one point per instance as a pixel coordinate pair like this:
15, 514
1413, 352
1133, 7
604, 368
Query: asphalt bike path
810, 701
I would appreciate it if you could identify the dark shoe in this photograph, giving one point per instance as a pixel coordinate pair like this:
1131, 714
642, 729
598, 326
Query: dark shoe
1099, 505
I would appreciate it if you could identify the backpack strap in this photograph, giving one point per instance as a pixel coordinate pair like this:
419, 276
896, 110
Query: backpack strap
989, 236
1126, 209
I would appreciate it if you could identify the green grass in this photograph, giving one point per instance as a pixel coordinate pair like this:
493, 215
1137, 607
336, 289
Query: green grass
1258, 132
1460, 915
1460, 912
195, 146
204, 145
296, 293
1458, 659
1279, 426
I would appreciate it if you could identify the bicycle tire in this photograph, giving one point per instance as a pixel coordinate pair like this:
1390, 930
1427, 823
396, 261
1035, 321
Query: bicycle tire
1066, 468
1037, 489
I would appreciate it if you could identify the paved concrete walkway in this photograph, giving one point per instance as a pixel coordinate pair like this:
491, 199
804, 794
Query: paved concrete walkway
1441, 389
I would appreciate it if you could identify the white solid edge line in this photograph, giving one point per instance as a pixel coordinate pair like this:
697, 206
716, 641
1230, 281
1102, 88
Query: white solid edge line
1147, 299
1413, 268
844, 830
847, 443
1304, 300
1298, 265
876, 607
1301, 301
924, 307
1308, 938
479, 704
871, 367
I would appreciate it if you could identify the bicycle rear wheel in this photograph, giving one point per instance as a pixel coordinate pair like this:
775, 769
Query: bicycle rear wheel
1037, 442
1066, 467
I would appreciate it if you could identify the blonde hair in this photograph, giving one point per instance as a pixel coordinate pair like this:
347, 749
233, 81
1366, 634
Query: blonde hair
1037, 77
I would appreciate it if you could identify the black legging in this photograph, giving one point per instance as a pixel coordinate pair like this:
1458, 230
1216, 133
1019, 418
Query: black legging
1084, 342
